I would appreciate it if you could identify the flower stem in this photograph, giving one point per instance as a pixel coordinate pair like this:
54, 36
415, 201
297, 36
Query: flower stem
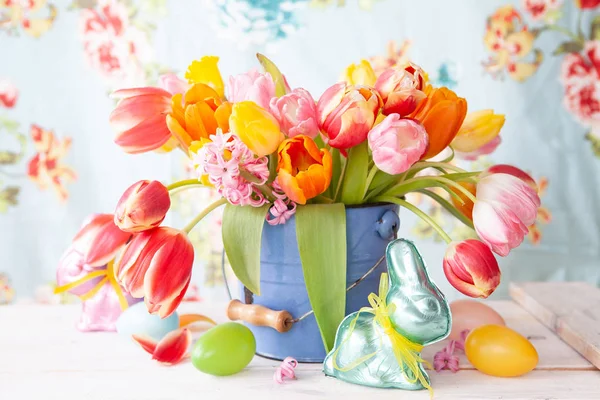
203, 214
417, 211
264, 189
370, 177
455, 185
185, 182
564, 31
423, 165
339, 185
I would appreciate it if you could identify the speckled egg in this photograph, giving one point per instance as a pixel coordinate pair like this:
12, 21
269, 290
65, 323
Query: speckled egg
136, 320
469, 314
499, 351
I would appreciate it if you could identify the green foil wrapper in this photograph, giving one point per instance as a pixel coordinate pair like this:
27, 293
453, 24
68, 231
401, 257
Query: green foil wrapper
418, 311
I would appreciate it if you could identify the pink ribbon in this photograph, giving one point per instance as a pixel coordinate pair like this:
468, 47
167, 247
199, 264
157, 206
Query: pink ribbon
285, 370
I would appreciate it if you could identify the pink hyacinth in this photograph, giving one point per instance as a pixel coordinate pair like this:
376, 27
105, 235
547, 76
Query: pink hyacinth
445, 359
283, 208
225, 173
253, 86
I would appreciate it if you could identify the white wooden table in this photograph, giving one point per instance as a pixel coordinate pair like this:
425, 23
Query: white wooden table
42, 356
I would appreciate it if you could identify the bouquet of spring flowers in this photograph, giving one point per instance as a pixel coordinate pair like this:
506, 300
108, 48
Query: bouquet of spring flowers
274, 153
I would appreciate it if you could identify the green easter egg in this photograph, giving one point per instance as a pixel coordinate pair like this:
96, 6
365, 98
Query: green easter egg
224, 350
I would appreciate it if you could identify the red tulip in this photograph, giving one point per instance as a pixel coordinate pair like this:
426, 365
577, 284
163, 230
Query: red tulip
169, 350
157, 265
504, 209
470, 266
143, 206
140, 119
99, 240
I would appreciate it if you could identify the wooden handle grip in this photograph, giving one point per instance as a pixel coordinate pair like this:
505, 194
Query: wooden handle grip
258, 315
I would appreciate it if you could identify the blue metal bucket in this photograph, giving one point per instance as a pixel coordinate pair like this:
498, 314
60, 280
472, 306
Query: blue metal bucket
369, 230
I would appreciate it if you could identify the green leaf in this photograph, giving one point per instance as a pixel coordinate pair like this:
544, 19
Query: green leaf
568, 47
353, 187
242, 234
321, 236
595, 29
270, 67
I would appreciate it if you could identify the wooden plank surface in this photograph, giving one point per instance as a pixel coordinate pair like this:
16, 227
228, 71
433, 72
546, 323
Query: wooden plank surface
43, 356
571, 309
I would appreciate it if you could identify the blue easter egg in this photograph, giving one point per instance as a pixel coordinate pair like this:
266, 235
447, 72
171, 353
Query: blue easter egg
136, 320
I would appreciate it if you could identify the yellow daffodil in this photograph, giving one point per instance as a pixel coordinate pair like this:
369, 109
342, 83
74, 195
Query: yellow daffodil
206, 71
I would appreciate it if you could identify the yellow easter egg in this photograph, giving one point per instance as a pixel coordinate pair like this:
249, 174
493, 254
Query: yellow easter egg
499, 351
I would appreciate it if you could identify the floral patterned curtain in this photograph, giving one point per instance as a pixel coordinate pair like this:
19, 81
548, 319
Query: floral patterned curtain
537, 61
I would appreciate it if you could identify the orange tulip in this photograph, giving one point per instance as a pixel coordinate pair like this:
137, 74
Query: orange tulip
198, 114
442, 114
466, 207
303, 171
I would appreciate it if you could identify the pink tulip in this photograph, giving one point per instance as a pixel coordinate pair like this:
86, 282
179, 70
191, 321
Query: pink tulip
471, 268
99, 240
157, 265
253, 86
296, 113
347, 113
140, 119
401, 89
514, 171
397, 144
143, 206
173, 84
504, 209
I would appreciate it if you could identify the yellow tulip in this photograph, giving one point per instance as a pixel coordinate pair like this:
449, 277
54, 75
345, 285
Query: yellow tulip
478, 129
361, 74
206, 71
256, 127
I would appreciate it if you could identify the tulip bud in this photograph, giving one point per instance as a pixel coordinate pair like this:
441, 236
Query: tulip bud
256, 127
143, 206
397, 144
157, 265
470, 266
99, 240
361, 74
478, 129
505, 207
139, 119
252, 86
401, 89
296, 113
346, 114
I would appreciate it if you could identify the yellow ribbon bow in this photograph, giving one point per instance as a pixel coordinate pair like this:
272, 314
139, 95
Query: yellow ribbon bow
109, 276
407, 353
